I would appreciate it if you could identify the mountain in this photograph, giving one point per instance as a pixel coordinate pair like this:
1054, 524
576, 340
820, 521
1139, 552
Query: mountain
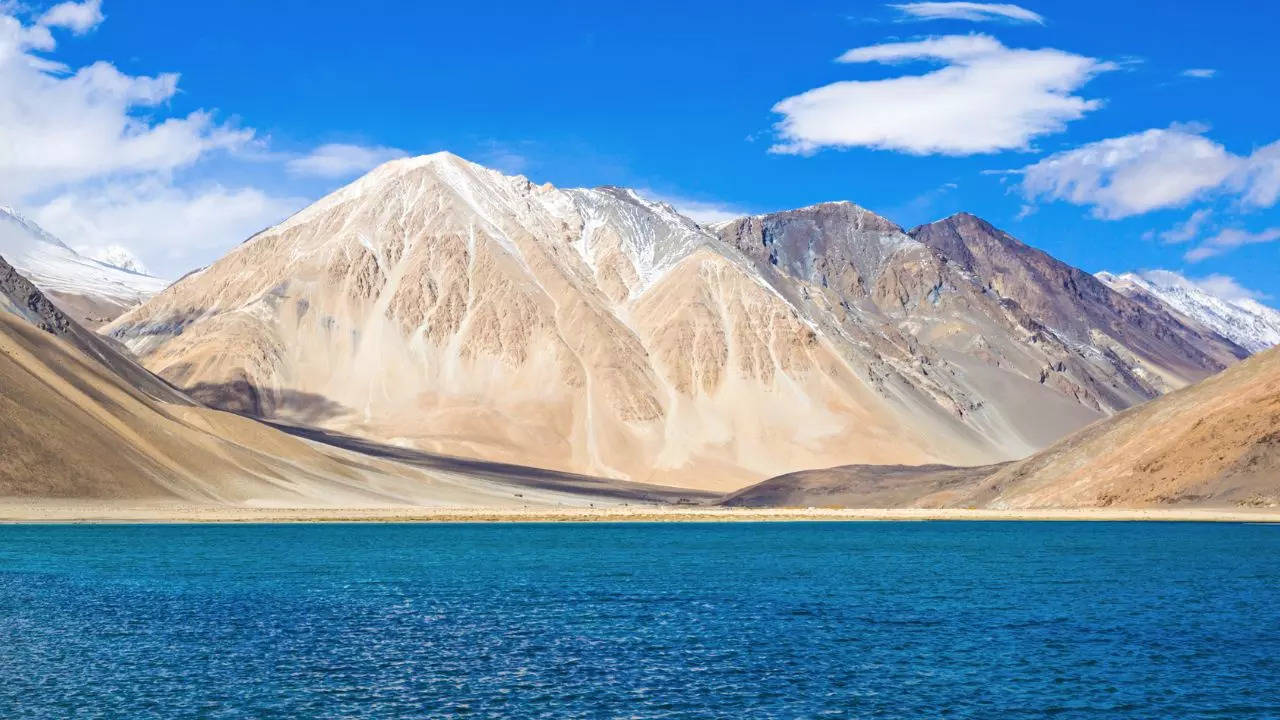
437, 304
440, 305
1248, 323
91, 291
1004, 331
117, 256
80, 423
1215, 443
1159, 346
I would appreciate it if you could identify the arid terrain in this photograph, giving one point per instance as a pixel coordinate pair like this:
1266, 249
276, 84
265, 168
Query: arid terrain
1214, 444
444, 306
439, 340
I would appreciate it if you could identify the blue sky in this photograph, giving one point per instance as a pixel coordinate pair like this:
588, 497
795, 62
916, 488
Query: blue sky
1114, 135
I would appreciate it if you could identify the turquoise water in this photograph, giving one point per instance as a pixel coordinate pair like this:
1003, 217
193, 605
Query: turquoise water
861, 620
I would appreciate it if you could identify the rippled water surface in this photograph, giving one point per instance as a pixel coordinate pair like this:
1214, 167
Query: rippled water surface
861, 620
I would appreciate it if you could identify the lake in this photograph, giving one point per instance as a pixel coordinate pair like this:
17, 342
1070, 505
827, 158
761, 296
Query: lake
667, 620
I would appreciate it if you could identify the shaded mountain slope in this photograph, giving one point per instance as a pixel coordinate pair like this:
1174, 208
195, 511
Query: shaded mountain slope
864, 486
1216, 442
80, 421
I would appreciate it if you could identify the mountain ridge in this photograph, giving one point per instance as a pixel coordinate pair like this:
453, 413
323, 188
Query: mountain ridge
1248, 323
596, 331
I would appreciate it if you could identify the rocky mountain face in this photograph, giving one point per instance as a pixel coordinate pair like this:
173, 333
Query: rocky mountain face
1003, 327
92, 291
1161, 348
20, 298
1246, 322
440, 305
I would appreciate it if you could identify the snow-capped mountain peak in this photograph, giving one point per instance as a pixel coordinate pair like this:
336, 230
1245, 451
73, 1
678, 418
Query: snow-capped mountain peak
117, 256
14, 219
1246, 322
90, 290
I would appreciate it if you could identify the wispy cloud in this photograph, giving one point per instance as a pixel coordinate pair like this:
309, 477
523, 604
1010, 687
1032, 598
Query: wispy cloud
1185, 231
1229, 240
512, 158
1158, 168
336, 160
62, 125
974, 11
98, 158
1200, 73
984, 99
175, 228
1227, 288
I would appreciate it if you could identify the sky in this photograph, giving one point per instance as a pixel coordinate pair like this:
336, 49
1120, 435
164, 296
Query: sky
1118, 136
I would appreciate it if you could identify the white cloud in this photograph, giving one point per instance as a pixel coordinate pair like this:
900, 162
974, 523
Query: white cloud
1226, 287
1260, 181
341, 160
1229, 240
984, 99
1132, 174
1158, 168
1199, 73
98, 160
78, 17
975, 11
59, 126
510, 158
1187, 230
175, 228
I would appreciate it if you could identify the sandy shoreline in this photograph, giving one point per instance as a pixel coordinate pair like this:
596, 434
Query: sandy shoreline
11, 513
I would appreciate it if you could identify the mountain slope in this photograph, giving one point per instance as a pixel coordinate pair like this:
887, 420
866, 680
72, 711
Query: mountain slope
438, 304
1158, 346
81, 423
90, 291
985, 320
1248, 323
1215, 443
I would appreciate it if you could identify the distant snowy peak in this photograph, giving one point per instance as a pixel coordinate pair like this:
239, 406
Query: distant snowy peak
1248, 323
116, 256
54, 267
15, 223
